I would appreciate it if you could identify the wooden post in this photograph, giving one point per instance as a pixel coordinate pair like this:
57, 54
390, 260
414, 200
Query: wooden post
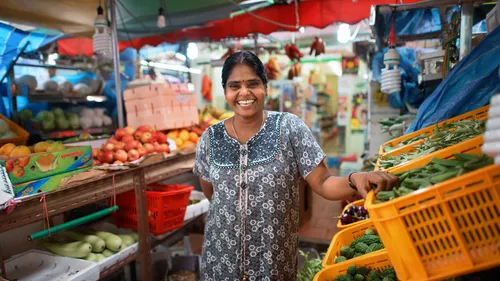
143, 226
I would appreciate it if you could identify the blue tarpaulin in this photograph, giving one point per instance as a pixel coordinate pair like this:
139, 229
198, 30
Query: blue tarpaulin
12, 41
468, 86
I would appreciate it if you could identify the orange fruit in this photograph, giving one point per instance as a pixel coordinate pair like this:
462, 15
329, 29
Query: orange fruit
184, 135
179, 142
173, 134
193, 137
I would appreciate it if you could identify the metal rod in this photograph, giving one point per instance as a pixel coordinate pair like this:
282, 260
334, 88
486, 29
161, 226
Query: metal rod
67, 225
466, 29
11, 65
116, 65
52, 66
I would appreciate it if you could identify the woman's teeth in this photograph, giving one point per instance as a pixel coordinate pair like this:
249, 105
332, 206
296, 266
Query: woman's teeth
245, 102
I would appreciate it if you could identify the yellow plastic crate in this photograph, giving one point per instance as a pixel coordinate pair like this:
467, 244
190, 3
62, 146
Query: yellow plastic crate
446, 230
410, 148
358, 203
380, 262
345, 238
477, 114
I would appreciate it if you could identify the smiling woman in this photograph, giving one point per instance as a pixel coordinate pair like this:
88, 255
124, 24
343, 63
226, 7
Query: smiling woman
250, 166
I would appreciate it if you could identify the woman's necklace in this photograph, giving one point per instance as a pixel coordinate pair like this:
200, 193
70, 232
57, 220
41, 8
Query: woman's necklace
234, 130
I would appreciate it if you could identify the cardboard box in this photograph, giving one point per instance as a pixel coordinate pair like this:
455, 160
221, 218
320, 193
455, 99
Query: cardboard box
163, 108
46, 184
42, 165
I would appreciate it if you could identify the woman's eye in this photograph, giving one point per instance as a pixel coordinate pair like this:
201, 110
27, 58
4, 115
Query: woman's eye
253, 85
234, 87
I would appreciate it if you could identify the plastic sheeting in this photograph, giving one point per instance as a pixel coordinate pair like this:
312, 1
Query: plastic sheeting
12, 40
409, 79
468, 86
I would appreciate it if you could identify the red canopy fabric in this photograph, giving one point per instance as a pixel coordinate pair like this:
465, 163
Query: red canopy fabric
316, 13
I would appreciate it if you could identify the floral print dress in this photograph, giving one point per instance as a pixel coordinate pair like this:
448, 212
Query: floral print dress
253, 220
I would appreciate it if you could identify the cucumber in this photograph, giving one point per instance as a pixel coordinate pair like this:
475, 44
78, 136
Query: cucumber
78, 249
91, 257
113, 242
135, 236
108, 253
97, 243
100, 257
126, 239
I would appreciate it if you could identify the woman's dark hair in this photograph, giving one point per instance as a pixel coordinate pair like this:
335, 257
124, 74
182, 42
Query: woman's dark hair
243, 57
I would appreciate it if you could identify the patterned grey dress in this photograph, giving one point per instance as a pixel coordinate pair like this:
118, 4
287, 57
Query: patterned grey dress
253, 221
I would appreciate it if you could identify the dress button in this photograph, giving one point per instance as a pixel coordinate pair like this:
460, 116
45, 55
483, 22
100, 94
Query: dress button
243, 168
244, 185
244, 152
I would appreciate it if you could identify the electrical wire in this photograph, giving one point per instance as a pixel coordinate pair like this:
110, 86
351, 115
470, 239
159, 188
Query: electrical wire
297, 19
138, 21
125, 28
266, 19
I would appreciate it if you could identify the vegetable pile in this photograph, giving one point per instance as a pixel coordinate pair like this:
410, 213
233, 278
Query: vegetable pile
309, 269
438, 170
370, 242
364, 273
450, 134
395, 125
354, 214
90, 245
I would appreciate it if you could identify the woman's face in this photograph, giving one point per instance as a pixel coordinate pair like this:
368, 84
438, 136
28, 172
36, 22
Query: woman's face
245, 92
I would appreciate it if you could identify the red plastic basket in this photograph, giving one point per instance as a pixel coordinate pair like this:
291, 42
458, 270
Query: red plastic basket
166, 207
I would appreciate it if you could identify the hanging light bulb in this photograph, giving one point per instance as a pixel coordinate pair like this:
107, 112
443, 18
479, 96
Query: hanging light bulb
343, 33
102, 35
391, 76
302, 29
161, 18
192, 50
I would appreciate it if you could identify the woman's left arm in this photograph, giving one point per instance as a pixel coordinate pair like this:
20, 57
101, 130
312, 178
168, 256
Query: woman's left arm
330, 187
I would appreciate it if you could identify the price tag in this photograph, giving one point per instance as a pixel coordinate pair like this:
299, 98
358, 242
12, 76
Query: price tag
6, 190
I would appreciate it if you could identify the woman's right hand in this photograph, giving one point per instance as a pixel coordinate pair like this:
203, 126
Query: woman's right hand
380, 181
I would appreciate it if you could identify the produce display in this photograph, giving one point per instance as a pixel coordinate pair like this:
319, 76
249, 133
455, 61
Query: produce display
89, 244
185, 138
182, 275
12, 150
129, 144
355, 273
395, 125
448, 135
309, 269
5, 131
58, 119
368, 243
86, 137
438, 170
354, 214
211, 115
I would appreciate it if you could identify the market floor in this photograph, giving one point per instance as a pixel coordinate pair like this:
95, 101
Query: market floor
322, 225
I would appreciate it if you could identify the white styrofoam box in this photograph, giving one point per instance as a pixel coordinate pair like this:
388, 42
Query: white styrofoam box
197, 209
118, 257
35, 265
492, 136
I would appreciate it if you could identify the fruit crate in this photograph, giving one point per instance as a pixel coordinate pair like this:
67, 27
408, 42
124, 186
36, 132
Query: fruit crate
446, 230
345, 238
22, 135
358, 203
380, 262
477, 114
411, 147
166, 208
